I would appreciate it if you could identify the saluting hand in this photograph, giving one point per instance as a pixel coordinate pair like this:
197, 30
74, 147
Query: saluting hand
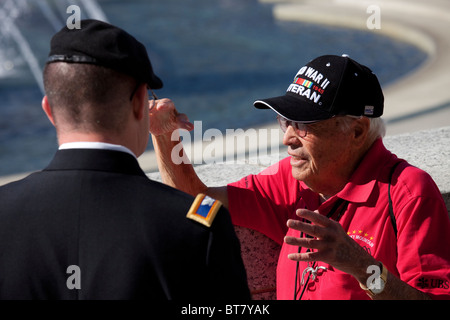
164, 118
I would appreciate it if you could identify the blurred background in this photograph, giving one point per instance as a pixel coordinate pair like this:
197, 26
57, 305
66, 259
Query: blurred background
215, 58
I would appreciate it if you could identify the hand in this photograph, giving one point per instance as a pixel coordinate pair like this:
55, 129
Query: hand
332, 244
164, 118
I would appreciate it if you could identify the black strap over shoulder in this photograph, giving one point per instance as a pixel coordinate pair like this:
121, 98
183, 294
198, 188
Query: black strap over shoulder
391, 209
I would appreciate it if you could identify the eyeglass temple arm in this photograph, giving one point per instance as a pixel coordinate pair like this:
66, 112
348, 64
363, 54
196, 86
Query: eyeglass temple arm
153, 94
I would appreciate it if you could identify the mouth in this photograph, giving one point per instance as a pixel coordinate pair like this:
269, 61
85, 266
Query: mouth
297, 160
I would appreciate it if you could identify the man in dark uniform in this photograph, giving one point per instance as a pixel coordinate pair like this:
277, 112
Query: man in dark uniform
92, 225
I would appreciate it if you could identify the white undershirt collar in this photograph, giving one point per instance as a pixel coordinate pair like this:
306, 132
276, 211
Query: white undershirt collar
95, 145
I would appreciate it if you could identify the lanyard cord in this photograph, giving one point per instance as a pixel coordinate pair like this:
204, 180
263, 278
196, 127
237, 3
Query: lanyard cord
336, 206
296, 274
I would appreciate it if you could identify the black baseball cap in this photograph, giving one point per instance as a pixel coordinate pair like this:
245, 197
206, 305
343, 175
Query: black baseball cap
103, 44
328, 86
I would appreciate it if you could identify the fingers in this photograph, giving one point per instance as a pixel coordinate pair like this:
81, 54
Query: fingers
164, 117
310, 243
307, 256
315, 229
160, 105
313, 216
307, 243
183, 122
327, 240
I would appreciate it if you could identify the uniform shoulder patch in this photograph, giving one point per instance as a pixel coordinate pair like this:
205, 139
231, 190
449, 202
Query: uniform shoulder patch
204, 209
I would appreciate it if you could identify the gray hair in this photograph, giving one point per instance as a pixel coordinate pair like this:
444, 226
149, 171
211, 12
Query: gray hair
377, 127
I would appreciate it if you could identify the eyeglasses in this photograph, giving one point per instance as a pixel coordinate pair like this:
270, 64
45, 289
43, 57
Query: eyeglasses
301, 129
151, 93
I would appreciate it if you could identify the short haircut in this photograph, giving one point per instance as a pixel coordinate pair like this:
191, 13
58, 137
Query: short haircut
87, 97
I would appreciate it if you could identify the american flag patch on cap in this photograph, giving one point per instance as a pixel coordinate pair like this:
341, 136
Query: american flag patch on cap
204, 209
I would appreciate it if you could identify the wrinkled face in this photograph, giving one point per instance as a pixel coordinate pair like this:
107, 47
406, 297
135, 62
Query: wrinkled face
322, 158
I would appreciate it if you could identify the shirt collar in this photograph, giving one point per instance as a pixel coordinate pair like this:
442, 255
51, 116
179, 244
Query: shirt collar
363, 180
95, 145
360, 186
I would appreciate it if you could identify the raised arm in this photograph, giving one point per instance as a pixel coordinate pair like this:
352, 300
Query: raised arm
164, 124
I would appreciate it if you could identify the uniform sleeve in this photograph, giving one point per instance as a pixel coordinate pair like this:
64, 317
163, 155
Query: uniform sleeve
227, 275
264, 202
424, 239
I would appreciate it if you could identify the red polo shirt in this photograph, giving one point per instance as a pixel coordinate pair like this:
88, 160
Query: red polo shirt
419, 255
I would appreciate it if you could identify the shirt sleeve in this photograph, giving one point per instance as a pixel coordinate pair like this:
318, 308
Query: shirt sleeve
264, 202
424, 237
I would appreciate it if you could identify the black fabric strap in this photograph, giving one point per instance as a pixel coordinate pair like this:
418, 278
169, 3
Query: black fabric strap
391, 209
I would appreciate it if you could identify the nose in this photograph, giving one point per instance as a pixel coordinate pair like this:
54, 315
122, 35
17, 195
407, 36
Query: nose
290, 137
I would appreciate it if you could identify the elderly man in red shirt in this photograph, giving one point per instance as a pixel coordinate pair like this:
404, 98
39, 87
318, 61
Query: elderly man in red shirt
354, 221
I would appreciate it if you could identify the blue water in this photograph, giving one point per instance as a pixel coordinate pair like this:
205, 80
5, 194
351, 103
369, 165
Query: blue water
215, 58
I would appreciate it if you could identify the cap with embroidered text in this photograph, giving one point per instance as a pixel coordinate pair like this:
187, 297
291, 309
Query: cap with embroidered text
329, 86
103, 44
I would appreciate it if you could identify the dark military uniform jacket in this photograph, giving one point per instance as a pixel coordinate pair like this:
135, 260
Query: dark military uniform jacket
93, 226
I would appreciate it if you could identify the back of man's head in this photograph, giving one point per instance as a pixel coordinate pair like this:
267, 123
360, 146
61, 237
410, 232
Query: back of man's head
91, 73
87, 97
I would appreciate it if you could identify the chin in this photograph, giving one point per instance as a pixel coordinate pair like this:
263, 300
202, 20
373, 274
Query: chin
298, 174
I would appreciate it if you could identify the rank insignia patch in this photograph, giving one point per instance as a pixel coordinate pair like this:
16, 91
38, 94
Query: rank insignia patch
204, 209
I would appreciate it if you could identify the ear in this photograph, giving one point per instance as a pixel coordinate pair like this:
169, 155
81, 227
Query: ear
47, 109
361, 130
140, 102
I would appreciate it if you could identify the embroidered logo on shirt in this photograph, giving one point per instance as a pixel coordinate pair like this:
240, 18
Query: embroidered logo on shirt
360, 235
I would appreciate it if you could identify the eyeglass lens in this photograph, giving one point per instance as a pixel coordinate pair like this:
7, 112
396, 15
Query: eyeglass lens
300, 128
